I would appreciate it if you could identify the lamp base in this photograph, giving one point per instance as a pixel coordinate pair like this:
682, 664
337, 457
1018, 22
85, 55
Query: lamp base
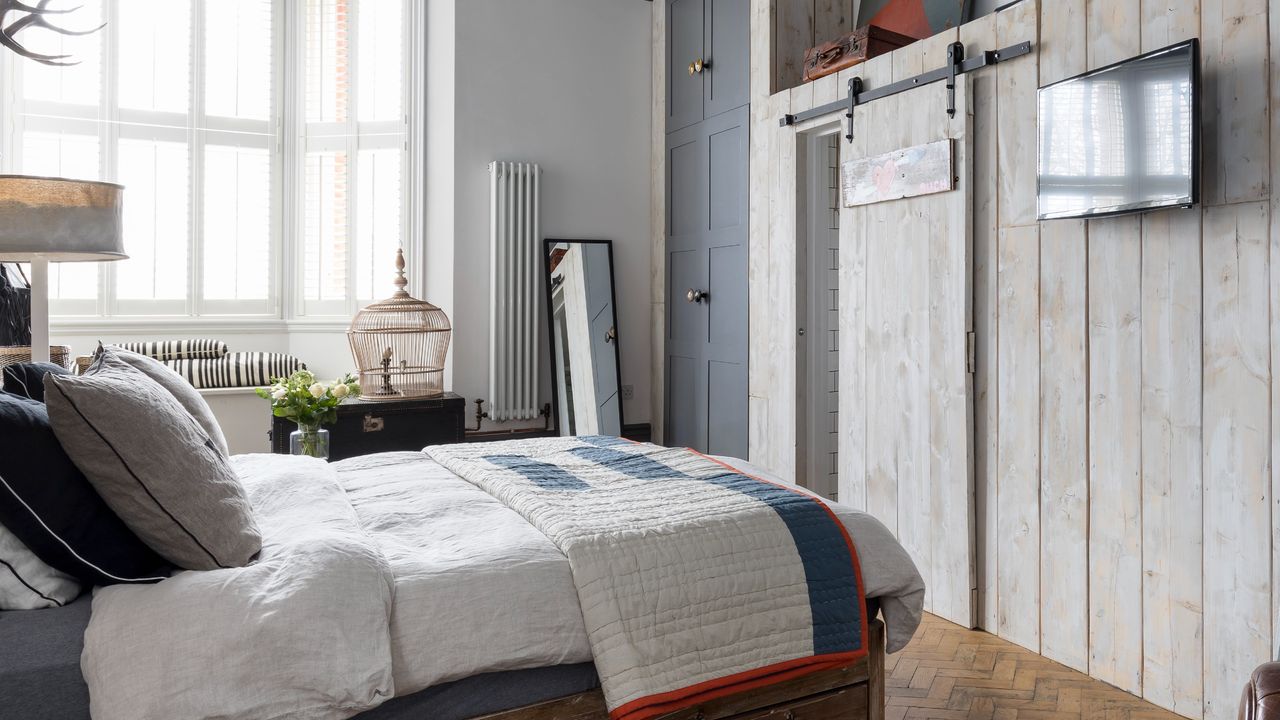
39, 309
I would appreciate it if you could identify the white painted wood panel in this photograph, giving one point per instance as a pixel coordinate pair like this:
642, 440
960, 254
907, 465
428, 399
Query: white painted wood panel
1237, 499
779, 286
1115, 412
1273, 17
1018, 339
658, 225
1018, 81
1018, 437
1115, 437
950, 386
761, 79
884, 387
1064, 486
908, 331
854, 240
1236, 112
1172, 493
1172, 505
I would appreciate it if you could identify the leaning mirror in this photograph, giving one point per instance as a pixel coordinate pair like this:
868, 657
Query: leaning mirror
585, 368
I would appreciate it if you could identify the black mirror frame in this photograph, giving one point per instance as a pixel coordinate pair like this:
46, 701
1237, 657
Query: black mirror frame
547, 245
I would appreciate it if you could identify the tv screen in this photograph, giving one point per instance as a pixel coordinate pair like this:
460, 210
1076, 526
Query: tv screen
1124, 138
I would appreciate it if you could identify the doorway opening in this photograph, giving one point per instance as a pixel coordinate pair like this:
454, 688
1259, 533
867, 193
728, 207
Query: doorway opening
818, 314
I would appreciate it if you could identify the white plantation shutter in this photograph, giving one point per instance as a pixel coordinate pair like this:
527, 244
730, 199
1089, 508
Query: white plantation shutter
183, 101
173, 99
353, 150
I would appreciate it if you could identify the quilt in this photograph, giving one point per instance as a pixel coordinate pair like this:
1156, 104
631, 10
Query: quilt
695, 580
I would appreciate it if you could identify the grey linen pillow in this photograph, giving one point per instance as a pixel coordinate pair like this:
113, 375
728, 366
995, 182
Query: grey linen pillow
154, 465
180, 389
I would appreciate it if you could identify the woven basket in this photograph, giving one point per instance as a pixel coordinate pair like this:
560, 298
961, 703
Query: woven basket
15, 355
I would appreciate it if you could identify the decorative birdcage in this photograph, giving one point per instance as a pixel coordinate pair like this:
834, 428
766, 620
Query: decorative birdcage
399, 345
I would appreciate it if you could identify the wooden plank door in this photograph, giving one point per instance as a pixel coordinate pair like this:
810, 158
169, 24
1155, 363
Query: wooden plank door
913, 330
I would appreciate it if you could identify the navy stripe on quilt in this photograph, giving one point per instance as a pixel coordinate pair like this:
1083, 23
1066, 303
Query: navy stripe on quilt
544, 475
820, 541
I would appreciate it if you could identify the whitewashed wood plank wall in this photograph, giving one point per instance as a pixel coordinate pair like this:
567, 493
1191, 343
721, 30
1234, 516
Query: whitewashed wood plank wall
1126, 408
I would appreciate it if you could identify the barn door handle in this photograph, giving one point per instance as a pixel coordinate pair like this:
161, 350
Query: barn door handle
697, 296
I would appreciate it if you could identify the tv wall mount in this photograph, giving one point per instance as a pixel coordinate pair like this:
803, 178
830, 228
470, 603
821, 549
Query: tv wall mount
957, 64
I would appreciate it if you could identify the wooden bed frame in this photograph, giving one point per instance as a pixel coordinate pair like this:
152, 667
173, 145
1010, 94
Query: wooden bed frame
852, 692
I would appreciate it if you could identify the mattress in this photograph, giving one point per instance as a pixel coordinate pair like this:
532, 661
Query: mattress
40, 663
40, 674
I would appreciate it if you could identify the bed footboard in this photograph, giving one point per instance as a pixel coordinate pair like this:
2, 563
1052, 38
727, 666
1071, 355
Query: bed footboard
851, 692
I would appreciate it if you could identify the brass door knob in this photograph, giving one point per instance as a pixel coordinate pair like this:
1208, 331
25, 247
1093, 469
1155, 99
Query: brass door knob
611, 334
696, 296
697, 66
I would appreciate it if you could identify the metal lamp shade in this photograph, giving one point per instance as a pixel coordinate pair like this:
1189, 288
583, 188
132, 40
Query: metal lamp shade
59, 220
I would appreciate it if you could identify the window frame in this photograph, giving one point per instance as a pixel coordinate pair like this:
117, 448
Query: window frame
286, 141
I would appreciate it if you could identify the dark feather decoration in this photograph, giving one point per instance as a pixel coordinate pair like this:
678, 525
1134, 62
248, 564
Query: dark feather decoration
15, 307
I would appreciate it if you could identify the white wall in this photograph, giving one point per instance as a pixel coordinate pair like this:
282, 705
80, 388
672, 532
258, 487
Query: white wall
563, 83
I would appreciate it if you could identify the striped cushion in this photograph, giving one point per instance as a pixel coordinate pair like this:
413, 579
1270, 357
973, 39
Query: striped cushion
178, 349
247, 369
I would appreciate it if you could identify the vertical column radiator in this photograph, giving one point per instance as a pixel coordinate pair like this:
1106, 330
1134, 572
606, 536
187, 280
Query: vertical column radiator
515, 266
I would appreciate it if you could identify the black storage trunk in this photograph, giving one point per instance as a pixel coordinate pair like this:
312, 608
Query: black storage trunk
365, 427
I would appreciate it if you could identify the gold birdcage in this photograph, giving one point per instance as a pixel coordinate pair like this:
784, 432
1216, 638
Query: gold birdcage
399, 345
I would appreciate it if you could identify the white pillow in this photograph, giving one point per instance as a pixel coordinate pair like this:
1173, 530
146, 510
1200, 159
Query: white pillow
26, 582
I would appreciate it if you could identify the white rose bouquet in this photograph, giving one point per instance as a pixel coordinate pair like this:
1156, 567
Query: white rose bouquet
304, 400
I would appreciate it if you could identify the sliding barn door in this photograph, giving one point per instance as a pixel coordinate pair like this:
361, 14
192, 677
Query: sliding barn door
906, 287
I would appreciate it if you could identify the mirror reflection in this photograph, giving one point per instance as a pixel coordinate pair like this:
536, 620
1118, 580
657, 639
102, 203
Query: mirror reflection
584, 337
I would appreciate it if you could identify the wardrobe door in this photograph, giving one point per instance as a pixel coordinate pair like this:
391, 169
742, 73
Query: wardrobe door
686, 324
725, 250
706, 343
727, 63
686, 70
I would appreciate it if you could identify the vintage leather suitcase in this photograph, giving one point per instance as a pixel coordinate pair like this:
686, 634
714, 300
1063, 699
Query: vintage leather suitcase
365, 427
851, 49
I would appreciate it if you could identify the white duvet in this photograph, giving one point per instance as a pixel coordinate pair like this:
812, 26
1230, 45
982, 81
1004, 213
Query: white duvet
379, 576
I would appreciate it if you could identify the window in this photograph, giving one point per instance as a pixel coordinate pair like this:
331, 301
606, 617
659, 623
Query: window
264, 146
354, 137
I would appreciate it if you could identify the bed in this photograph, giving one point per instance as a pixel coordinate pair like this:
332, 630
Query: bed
480, 611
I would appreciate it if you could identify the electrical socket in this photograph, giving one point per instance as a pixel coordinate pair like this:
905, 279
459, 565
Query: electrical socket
628, 392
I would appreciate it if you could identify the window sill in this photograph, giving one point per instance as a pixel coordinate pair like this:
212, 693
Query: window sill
197, 326
227, 392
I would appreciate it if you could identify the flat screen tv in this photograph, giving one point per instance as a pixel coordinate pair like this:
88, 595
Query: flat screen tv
1122, 139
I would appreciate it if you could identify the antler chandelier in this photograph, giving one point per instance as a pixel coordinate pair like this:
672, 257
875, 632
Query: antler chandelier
35, 17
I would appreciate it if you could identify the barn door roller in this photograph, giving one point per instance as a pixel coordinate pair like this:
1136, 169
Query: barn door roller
957, 64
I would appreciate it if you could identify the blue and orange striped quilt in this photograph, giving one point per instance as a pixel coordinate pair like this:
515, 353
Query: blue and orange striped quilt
696, 581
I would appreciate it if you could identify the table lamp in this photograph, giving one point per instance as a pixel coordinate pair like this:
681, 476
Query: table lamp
44, 220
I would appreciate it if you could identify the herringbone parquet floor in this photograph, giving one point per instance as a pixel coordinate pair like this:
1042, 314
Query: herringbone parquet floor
950, 673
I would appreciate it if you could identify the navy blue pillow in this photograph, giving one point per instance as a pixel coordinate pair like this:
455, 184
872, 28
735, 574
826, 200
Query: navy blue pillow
54, 511
27, 379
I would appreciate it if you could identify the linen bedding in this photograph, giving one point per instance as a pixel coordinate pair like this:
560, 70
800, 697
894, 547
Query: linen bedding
379, 576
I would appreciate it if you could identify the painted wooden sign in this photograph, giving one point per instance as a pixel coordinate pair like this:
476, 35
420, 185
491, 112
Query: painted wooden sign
910, 172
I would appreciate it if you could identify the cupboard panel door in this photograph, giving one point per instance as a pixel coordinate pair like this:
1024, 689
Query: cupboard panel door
685, 37
727, 43
727, 409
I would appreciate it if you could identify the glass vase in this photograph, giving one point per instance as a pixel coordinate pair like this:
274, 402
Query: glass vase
310, 440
